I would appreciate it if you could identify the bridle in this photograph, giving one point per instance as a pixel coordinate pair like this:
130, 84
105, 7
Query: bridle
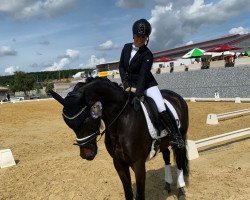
83, 142
95, 113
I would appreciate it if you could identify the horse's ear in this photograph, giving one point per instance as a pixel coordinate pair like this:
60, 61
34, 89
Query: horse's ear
57, 97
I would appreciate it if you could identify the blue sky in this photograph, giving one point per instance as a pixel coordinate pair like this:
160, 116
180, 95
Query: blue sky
38, 35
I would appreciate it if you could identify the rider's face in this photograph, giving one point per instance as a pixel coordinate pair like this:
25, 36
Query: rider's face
139, 40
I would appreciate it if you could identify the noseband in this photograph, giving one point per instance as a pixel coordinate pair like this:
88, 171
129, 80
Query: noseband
83, 142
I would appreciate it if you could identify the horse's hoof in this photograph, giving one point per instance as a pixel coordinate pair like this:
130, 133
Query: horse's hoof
167, 187
181, 194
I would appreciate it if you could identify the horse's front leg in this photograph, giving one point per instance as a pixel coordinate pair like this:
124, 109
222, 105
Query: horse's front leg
124, 174
140, 176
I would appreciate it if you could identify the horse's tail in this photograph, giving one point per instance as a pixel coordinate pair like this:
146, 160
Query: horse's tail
181, 154
182, 160
182, 109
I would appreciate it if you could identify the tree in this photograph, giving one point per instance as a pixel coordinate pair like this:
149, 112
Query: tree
23, 82
49, 86
38, 87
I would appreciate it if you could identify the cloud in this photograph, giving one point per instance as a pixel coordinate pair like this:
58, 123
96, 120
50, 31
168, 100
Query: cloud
165, 33
72, 54
28, 9
65, 60
7, 51
44, 43
10, 70
172, 20
239, 30
38, 53
130, 3
92, 62
58, 66
189, 43
108, 45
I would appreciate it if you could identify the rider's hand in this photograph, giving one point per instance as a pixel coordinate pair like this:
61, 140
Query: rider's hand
125, 85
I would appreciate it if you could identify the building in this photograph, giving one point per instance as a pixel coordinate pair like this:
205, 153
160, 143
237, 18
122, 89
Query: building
242, 41
3, 92
107, 69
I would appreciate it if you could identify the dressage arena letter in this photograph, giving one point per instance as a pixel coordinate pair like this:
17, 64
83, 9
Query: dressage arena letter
6, 158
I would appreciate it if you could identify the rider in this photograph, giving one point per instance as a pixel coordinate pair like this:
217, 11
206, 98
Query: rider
135, 65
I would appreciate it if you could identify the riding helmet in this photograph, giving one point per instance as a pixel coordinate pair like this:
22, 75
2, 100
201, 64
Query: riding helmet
142, 28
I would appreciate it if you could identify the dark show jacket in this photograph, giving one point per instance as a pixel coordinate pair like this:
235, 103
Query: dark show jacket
137, 73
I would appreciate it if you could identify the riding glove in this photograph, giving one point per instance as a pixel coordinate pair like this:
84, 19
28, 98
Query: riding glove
125, 85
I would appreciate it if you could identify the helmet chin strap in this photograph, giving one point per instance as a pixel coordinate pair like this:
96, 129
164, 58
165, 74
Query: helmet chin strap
147, 41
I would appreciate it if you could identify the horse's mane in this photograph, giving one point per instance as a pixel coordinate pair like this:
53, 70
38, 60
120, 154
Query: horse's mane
111, 83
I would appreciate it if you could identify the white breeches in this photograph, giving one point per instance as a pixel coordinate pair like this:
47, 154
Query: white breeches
155, 94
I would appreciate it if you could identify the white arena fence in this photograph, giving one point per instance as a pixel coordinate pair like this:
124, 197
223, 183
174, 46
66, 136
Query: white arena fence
236, 99
214, 118
193, 146
192, 99
23, 101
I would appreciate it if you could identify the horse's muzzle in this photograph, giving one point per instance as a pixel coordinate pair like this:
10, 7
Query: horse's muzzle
88, 153
87, 157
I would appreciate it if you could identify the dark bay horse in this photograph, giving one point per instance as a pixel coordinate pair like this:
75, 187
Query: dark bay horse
127, 136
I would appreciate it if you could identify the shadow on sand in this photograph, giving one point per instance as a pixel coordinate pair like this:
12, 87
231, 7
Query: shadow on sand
155, 183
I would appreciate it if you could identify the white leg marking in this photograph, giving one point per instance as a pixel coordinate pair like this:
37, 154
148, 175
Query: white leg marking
168, 174
180, 178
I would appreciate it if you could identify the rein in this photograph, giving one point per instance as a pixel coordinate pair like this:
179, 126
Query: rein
113, 121
76, 115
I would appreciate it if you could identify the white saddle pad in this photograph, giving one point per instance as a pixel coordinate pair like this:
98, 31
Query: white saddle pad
152, 130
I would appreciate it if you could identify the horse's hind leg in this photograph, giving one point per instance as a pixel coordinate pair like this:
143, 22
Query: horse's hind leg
140, 176
168, 175
124, 174
181, 170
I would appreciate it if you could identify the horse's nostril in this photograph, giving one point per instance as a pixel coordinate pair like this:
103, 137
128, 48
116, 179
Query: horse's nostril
87, 157
90, 158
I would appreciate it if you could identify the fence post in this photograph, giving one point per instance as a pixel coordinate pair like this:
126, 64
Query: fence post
6, 158
212, 119
192, 99
192, 152
237, 100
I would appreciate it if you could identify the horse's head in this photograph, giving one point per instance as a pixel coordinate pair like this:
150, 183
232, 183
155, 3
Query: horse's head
84, 118
87, 133
86, 137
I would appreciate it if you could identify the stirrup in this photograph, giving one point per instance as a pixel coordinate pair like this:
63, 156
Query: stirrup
157, 145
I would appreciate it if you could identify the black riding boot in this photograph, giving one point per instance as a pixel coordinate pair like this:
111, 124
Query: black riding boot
170, 124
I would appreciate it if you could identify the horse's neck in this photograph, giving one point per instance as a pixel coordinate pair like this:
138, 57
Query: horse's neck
113, 101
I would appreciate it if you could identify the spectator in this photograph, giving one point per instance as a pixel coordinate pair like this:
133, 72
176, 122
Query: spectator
8, 96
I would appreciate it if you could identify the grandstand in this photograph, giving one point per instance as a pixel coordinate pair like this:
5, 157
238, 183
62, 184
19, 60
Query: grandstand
241, 41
